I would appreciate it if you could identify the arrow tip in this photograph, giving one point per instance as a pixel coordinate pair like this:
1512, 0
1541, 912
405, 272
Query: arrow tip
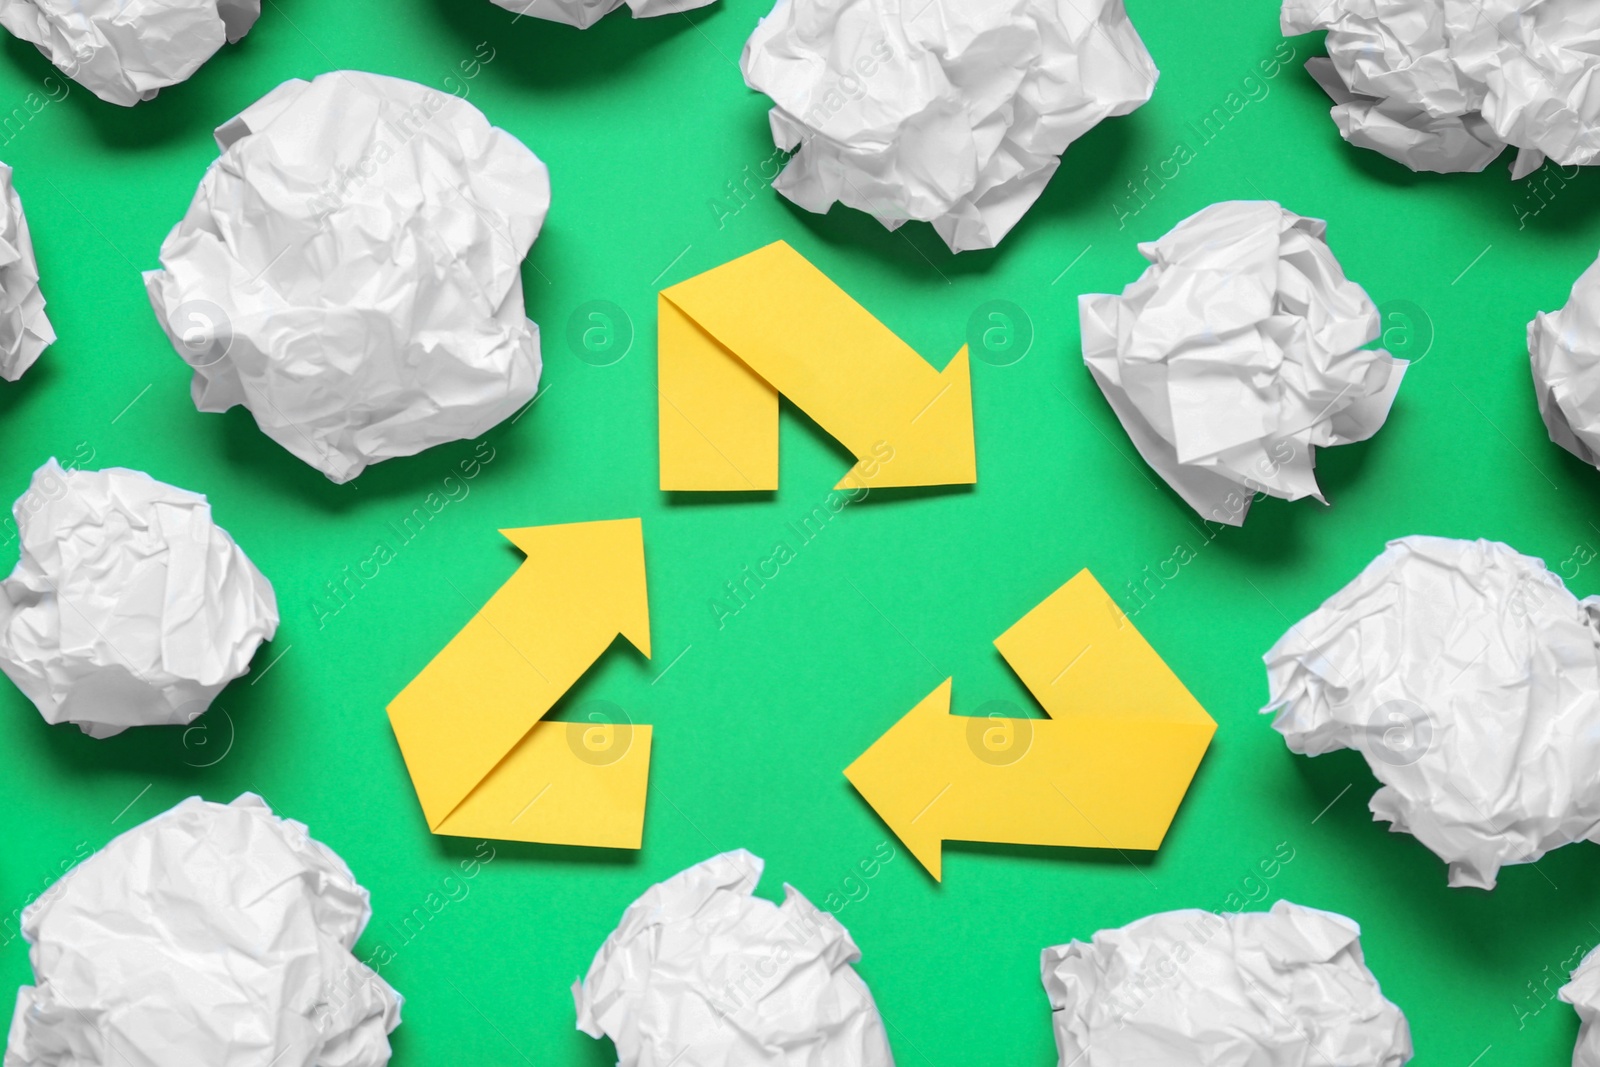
934, 446
603, 561
900, 777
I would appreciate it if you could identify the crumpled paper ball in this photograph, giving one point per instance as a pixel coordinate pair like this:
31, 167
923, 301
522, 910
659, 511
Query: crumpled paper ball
214, 935
585, 13
1446, 85
700, 973
350, 271
1237, 354
1582, 991
129, 606
951, 113
1282, 988
1469, 678
124, 53
24, 330
1564, 349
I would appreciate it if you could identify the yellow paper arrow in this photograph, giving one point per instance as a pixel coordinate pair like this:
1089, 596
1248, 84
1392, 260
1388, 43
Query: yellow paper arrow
482, 763
769, 323
1106, 770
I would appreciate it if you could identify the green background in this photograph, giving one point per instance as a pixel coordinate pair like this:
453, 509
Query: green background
643, 124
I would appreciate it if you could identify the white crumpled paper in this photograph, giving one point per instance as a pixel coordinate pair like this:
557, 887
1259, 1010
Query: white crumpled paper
953, 112
585, 13
350, 270
1582, 991
1564, 349
1282, 988
1469, 678
24, 330
129, 606
214, 935
700, 973
1237, 353
124, 53
1446, 85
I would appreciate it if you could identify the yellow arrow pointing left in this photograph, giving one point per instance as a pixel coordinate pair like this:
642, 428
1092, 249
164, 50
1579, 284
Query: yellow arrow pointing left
1106, 770
469, 725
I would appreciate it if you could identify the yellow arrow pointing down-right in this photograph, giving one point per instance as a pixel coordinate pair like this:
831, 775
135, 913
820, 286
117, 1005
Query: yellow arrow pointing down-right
769, 323
1106, 770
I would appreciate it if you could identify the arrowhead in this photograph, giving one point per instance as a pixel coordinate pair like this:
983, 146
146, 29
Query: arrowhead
602, 563
933, 445
900, 777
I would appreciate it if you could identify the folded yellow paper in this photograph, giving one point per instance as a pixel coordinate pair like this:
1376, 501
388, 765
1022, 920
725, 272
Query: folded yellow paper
469, 727
769, 323
1107, 769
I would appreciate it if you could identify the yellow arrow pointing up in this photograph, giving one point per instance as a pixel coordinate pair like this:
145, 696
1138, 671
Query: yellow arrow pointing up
1106, 770
482, 763
769, 323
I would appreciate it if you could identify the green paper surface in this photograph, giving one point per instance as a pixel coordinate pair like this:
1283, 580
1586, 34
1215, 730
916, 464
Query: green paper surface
657, 155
